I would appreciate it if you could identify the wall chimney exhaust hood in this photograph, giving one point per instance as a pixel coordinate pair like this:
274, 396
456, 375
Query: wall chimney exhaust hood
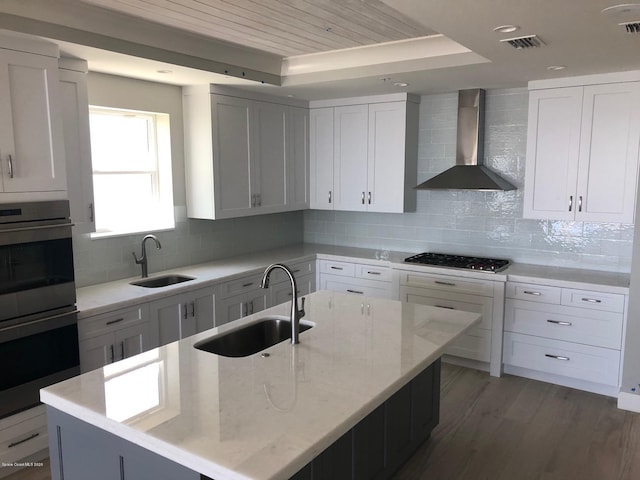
469, 173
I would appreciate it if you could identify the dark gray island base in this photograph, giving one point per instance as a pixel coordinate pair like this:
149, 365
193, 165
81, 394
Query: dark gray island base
372, 450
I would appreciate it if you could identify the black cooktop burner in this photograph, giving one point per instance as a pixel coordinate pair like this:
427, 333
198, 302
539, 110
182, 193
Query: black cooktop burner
459, 261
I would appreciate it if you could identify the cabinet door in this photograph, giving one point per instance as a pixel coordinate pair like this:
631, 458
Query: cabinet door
96, 352
281, 293
321, 158
608, 167
31, 143
553, 144
298, 159
350, 157
229, 309
232, 149
386, 157
202, 307
77, 146
269, 157
169, 313
131, 341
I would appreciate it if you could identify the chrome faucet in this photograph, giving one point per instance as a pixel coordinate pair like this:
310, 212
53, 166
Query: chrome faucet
296, 314
143, 258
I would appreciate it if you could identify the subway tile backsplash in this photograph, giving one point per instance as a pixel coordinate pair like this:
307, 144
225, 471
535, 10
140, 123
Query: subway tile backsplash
471, 222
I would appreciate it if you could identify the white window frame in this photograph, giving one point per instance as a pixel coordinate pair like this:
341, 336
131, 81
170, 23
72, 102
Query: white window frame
159, 143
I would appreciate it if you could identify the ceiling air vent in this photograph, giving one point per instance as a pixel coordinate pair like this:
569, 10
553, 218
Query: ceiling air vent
631, 27
521, 43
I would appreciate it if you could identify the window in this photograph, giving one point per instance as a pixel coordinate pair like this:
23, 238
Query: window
132, 180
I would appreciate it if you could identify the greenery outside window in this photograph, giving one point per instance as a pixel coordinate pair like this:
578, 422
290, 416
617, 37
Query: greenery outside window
132, 178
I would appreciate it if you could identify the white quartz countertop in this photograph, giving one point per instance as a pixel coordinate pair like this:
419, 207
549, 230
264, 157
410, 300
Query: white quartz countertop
261, 417
105, 297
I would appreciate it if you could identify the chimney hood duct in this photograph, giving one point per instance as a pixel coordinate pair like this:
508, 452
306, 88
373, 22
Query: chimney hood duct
468, 173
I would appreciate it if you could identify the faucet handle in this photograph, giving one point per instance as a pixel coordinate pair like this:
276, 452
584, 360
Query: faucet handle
301, 312
137, 260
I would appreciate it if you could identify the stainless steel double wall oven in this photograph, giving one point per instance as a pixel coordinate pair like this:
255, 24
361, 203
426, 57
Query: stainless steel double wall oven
38, 317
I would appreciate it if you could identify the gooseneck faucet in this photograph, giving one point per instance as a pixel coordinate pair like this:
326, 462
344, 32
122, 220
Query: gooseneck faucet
296, 314
143, 257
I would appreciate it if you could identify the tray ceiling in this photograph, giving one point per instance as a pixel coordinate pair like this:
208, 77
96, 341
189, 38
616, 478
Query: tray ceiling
283, 27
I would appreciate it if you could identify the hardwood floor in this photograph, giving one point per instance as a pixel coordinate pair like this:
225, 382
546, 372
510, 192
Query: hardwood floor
512, 428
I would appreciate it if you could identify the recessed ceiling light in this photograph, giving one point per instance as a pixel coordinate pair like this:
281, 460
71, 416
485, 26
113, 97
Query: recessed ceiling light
555, 68
400, 84
622, 10
506, 28
164, 71
291, 95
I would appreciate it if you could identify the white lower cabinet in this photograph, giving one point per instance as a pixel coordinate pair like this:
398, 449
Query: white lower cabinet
482, 343
238, 298
358, 279
183, 315
567, 336
109, 337
23, 438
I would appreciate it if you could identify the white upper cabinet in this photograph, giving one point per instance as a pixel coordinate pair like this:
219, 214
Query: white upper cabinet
321, 158
244, 156
77, 142
31, 142
582, 153
364, 154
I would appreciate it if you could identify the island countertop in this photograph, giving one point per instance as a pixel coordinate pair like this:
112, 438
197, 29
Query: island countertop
264, 417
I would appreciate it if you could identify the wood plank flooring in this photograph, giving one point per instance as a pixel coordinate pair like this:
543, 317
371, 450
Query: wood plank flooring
512, 428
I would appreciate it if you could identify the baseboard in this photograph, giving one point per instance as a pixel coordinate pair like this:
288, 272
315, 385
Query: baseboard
629, 401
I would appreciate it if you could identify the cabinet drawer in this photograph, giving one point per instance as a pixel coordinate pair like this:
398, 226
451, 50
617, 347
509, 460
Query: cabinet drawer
381, 274
111, 321
475, 345
298, 269
451, 300
369, 288
610, 302
602, 329
534, 293
447, 283
584, 362
239, 286
337, 268
24, 438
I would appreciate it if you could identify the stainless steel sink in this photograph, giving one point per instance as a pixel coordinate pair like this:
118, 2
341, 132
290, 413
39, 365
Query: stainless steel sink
251, 338
163, 281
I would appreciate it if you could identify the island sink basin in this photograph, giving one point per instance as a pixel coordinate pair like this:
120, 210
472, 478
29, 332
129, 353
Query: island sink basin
251, 338
163, 281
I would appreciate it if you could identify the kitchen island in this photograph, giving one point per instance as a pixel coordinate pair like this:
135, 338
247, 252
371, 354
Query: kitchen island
359, 392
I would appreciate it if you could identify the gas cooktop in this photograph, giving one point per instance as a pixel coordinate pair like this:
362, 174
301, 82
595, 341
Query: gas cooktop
490, 265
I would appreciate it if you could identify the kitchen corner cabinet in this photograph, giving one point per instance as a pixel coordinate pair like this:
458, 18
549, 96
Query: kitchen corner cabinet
183, 315
77, 142
363, 156
31, 140
109, 337
244, 156
582, 153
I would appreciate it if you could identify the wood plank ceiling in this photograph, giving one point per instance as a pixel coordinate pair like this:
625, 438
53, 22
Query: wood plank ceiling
282, 27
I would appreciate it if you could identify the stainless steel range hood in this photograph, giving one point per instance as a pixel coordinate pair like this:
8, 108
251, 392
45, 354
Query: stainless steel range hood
469, 173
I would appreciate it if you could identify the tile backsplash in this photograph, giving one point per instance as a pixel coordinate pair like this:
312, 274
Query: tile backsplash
474, 222
191, 242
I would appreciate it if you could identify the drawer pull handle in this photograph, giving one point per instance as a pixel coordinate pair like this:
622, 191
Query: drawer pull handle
295, 271
557, 357
591, 300
448, 284
337, 268
117, 320
558, 322
19, 442
355, 291
374, 273
247, 284
444, 306
531, 292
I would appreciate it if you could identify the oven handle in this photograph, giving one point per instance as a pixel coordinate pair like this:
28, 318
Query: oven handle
38, 326
38, 227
